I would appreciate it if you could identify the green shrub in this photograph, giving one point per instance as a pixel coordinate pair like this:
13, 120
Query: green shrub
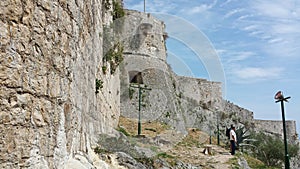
99, 85
104, 68
131, 92
106, 4
122, 130
164, 155
99, 150
168, 114
114, 56
270, 149
255, 163
118, 11
242, 135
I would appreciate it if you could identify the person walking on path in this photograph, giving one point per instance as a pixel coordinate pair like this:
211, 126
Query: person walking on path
233, 140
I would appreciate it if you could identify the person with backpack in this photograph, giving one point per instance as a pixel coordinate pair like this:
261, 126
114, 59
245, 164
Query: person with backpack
228, 132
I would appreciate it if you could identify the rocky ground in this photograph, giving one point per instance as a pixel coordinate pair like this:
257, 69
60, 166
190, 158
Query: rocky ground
161, 147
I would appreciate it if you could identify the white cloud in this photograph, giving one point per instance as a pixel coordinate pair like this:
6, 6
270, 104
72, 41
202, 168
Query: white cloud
225, 3
166, 6
200, 8
256, 73
243, 55
275, 8
250, 28
230, 13
236, 56
274, 24
245, 17
286, 28
275, 40
255, 33
285, 49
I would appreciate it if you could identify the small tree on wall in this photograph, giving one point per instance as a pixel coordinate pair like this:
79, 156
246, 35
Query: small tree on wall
118, 11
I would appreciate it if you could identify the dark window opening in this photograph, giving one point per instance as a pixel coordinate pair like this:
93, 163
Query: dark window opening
135, 77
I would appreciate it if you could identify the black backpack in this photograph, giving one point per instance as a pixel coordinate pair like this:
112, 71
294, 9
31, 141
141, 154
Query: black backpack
228, 132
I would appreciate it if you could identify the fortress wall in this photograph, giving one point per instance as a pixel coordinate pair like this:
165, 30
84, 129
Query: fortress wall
206, 93
237, 113
275, 127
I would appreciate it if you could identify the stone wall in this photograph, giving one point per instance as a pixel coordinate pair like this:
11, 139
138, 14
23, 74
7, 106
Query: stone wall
237, 114
275, 127
207, 93
50, 58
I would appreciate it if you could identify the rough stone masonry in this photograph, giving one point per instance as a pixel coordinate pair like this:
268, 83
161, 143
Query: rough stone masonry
50, 57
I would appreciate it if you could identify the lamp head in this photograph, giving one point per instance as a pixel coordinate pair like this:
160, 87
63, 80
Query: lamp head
279, 96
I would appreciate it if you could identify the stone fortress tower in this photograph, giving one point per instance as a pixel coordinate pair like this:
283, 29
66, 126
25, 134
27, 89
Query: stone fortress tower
172, 99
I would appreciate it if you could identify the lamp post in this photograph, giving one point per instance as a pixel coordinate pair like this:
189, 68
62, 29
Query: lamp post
218, 129
140, 100
209, 134
280, 98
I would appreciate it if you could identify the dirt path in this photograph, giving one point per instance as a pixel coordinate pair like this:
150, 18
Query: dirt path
190, 150
186, 148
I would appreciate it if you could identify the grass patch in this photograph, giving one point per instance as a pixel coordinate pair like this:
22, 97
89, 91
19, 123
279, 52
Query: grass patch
122, 130
192, 139
149, 128
233, 162
164, 155
99, 150
154, 148
252, 162
255, 163
169, 158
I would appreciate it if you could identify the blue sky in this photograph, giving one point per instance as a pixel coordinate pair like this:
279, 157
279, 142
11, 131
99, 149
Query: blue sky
256, 42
